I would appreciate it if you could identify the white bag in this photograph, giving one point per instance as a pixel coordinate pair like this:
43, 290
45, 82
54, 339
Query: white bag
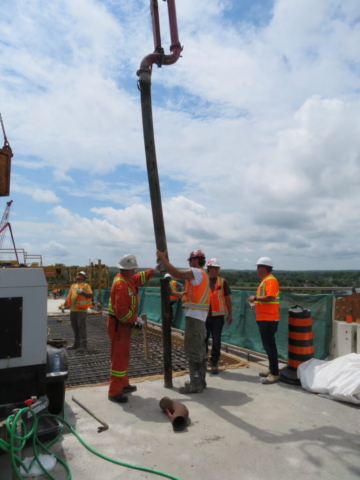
339, 378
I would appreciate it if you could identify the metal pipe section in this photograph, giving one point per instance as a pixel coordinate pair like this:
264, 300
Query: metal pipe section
154, 9
157, 57
166, 330
177, 413
151, 163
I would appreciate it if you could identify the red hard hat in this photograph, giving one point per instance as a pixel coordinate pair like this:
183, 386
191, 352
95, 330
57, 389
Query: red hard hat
196, 254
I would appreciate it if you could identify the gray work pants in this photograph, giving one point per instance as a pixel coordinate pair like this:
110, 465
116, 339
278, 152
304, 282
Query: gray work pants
78, 323
194, 342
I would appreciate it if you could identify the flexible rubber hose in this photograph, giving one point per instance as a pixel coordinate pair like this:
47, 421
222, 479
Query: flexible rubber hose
10, 447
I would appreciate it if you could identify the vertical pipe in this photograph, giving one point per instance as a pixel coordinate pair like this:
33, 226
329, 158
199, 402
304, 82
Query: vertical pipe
174, 35
151, 163
100, 281
146, 344
166, 331
154, 10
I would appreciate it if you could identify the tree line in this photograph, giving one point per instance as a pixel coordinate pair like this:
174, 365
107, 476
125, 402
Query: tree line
286, 278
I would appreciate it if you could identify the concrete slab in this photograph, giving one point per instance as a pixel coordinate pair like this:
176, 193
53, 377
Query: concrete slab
239, 429
53, 305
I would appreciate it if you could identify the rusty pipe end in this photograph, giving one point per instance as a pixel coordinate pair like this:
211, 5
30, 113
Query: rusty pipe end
179, 411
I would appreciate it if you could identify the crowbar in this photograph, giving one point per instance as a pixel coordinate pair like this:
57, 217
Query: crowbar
104, 427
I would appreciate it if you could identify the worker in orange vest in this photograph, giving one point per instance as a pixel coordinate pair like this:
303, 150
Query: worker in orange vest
175, 293
196, 303
266, 302
79, 300
123, 308
220, 304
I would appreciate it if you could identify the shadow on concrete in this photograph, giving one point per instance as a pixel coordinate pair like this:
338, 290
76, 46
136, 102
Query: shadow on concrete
341, 445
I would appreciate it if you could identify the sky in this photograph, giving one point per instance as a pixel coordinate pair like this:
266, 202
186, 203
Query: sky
257, 131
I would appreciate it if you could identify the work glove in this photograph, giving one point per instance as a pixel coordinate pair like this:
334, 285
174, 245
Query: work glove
140, 321
80, 291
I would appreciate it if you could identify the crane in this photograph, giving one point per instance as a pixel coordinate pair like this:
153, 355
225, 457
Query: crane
5, 223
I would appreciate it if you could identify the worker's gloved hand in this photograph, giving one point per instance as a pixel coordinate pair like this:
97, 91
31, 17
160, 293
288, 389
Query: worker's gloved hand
140, 321
156, 267
80, 291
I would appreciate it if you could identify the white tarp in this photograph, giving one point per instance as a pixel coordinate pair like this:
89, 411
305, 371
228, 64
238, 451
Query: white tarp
339, 378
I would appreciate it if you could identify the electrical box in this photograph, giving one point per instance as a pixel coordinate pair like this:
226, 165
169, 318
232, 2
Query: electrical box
23, 332
23, 324
344, 338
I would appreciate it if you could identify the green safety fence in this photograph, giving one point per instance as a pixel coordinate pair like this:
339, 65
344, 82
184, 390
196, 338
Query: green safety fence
243, 332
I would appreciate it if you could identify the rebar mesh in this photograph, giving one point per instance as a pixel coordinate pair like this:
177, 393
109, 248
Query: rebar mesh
93, 366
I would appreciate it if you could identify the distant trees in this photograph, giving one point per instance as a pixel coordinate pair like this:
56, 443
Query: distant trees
248, 278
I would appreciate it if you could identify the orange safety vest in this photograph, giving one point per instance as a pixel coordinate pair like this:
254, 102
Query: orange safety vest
82, 302
133, 296
217, 298
173, 286
197, 297
267, 310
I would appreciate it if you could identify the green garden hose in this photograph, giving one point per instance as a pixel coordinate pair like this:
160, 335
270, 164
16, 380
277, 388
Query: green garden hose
12, 448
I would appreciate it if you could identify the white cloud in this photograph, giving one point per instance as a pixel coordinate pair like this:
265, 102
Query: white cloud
38, 194
257, 125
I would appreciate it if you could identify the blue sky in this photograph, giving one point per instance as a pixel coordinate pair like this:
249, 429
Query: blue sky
257, 131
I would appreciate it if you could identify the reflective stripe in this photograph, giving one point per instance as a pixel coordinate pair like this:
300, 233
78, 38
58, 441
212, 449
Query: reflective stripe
193, 300
111, 311
133, 301
173, 288
117, 374
261, 290
217, 299
143, 277
81, 302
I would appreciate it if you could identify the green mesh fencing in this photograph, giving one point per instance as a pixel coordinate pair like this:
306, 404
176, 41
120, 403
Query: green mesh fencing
243, 332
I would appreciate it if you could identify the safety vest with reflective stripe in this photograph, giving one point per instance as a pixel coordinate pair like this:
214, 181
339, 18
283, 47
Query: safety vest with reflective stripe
267, 310
134, 300
81, 301
173, 288
197, 296
217, 299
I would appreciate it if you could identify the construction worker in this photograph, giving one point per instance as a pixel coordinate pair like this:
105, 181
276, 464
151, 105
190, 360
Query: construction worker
196, 304
123, 307
220, 303
56, 292
266, 302
175, 294
79, 300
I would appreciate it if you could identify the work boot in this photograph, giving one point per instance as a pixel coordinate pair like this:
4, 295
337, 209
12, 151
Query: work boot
72, 347
203, 375
264, 373
119, 398
195, 385
270, 379
129, 389
214, 366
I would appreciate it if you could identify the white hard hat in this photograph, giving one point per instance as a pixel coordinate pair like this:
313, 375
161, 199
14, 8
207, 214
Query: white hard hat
167, 275
265, 261
82, 273
213, 262
127, 262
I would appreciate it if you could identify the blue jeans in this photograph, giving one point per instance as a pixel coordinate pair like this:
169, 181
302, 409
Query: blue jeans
267, 331
214, 326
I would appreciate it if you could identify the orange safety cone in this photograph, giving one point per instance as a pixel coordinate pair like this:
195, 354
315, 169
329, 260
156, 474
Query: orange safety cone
300, 343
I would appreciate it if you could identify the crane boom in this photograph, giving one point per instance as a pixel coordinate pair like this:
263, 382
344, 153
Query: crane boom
5, 223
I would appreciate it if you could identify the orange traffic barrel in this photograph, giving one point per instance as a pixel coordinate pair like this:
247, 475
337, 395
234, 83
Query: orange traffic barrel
300, 342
